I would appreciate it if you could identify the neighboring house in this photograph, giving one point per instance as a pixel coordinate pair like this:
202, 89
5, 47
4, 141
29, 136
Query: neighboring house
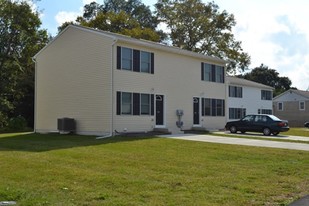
247, 97
292, 105
109, 82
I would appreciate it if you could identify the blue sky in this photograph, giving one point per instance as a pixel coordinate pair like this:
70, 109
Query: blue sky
274, 33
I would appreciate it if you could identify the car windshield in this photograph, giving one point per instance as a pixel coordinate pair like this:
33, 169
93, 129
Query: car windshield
274, 118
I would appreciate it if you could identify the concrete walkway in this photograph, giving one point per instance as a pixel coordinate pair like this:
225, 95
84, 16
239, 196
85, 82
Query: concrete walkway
259, 135
240, 141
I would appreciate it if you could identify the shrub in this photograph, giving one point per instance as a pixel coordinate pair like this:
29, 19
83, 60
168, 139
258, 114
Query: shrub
17, 123
3, 120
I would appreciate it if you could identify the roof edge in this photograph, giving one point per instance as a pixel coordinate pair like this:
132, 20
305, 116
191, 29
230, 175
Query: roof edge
140, 42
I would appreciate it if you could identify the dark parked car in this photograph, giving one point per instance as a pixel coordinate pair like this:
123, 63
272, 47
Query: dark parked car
267, 124
306, 124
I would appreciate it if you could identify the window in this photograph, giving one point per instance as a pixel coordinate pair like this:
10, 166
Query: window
266, 95
126, 58
207, 107
129, 103
126, 103
302, 105
135, 60
145, 62
265, 111
280, 106
145, 104
213, 107
237, 113
219, 74
212, 73
235, 91
207, 72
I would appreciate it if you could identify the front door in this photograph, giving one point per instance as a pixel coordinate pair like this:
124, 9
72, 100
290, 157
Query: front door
159, 110
196, 110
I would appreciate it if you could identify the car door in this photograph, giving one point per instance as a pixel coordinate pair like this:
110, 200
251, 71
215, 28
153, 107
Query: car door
246, 123
259, 123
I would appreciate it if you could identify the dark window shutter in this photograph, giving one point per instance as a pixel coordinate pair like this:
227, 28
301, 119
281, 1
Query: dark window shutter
202, 71
152, 105
223, 74
118, 57
223, 105
136, 60
214, 107
152, 64
203, 107
213, 73
118, 100
136, 104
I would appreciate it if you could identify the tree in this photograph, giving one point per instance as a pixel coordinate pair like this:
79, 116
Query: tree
270, 77
202, 28
20, 39
130, 18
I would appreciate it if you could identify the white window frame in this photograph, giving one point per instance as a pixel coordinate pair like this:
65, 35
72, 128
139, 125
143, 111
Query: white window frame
149, 104
131, 104
145, 62
279, 106
300, 108
123, 58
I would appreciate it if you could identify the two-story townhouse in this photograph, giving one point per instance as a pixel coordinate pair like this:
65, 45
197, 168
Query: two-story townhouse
247, 97
109, 82
292, 105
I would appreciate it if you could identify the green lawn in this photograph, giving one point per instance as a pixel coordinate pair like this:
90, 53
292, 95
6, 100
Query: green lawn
79, 170
301, 131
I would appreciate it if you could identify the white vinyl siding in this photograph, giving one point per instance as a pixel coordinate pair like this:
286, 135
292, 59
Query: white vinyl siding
73, 79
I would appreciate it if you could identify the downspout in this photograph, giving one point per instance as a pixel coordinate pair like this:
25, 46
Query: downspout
35, 94
112, 93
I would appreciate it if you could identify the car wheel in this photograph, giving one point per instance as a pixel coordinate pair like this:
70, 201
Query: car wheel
233, 129
276, 133
266, 131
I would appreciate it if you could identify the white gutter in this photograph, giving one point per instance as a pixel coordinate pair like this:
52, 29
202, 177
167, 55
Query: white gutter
112, 93
35, 95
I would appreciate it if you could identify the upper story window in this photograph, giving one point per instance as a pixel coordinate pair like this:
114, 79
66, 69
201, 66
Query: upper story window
266, 95
126, 58
220, 74
235, 91
212, 73
145, 62
135, 60
302, 105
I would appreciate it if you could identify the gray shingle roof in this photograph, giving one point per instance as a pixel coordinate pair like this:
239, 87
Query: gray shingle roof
244, 82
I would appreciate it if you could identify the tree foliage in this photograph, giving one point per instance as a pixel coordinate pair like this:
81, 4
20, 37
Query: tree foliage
20, 39
131, 18
203, 28
265, 75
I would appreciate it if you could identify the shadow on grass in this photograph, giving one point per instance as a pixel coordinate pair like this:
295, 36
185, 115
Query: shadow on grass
45, 142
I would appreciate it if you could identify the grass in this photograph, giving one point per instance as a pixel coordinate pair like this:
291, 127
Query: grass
79, 170
300, 131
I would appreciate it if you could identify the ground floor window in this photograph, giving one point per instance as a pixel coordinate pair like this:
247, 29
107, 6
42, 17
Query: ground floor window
131, 103
213, 107
265, 111
237, 113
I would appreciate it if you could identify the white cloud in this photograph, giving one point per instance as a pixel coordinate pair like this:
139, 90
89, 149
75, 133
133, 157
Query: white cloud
65, 16
89, 1
274, 33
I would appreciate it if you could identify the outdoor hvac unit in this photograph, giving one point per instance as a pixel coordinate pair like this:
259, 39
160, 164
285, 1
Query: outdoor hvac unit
66, 125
